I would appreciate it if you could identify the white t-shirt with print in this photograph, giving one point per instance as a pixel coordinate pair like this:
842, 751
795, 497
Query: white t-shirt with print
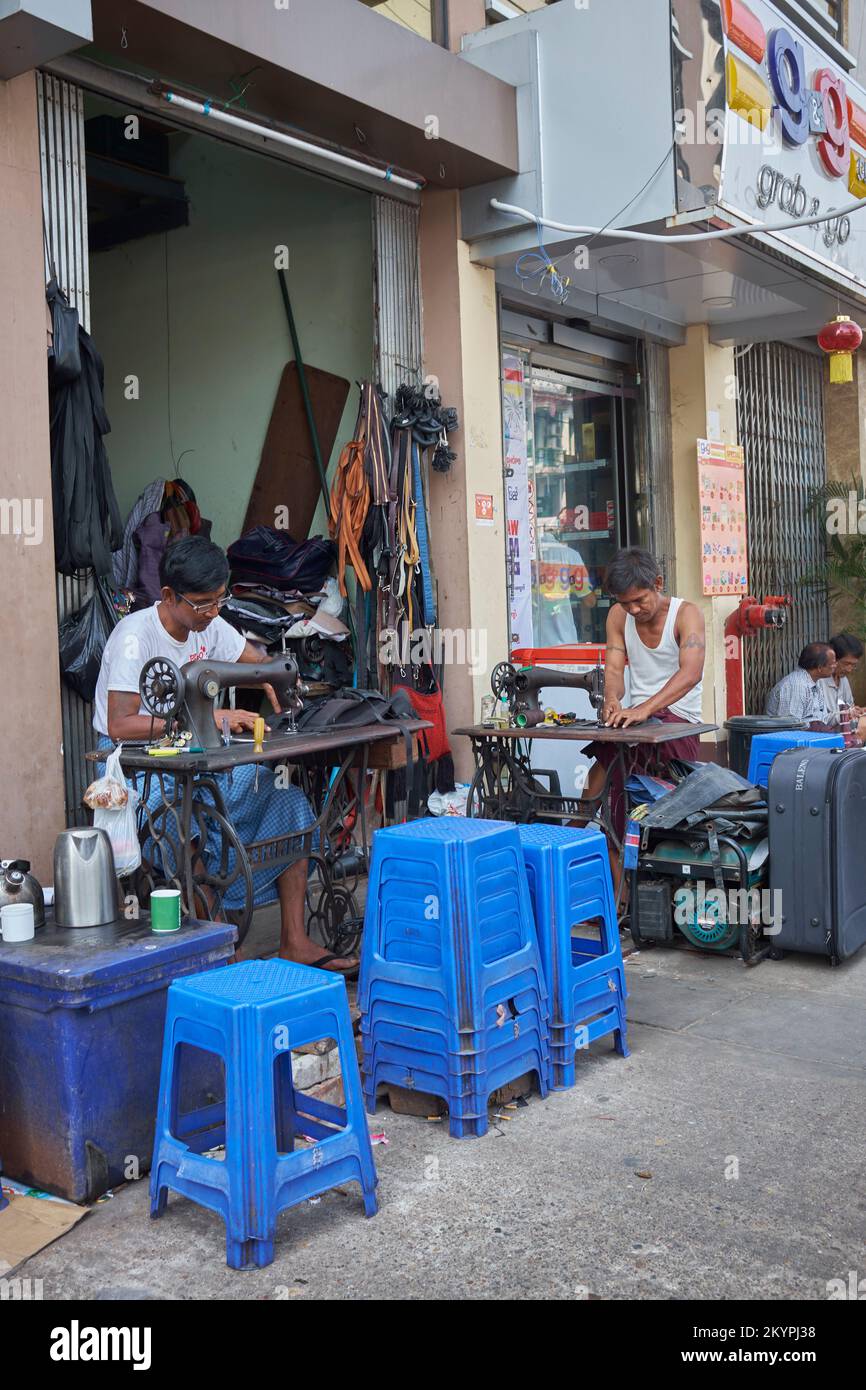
141, 636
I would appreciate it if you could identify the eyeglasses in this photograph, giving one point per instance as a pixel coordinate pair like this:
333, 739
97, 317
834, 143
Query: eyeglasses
217, 603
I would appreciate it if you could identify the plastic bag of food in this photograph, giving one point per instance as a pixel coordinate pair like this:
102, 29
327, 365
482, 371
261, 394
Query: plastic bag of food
113, 803
107, 793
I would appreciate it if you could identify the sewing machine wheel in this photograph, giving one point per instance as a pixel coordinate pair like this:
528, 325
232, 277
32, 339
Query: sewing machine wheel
312, 650
503, 681
160, 686
336, 920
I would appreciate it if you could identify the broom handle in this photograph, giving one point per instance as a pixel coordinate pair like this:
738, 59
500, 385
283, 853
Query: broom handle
305, 393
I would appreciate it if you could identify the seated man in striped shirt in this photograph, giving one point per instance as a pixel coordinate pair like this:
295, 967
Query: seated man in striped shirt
800, 694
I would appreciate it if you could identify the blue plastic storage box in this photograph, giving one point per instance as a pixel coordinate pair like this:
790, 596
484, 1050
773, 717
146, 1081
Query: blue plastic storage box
81, 1021
765, 747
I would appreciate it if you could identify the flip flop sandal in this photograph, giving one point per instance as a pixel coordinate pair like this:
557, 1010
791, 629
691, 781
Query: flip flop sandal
322, 961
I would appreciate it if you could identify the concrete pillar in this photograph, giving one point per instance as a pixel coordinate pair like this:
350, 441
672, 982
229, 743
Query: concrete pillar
31, 807
703, 379
461, 349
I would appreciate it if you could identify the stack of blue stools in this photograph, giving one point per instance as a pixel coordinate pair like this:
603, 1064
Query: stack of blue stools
570, 885
252, 1015
452, 992
765, 748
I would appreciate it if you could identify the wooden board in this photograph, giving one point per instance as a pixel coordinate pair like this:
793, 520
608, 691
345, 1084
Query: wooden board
591, 733
390, 756
287, 475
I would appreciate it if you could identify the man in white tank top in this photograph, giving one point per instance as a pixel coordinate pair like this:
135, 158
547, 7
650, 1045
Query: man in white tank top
663, 638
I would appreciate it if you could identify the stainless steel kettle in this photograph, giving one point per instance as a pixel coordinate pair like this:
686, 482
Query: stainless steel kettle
18, 885
85, 884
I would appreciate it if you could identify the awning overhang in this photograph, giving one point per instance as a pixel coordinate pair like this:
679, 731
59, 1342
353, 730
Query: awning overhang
331, 68
33, 32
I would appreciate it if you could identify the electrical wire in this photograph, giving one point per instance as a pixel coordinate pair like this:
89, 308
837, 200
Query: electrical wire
654, 175
534, 265
719, 234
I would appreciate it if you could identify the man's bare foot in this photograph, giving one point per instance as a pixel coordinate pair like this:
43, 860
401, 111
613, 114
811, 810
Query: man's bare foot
312, 954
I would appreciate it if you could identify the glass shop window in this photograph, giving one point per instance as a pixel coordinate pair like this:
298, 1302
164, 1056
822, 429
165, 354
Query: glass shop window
571, 497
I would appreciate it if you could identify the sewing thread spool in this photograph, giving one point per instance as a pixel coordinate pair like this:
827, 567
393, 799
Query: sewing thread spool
259, 735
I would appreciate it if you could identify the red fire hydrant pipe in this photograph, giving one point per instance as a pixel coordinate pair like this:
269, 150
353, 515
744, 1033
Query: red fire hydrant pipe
746, 619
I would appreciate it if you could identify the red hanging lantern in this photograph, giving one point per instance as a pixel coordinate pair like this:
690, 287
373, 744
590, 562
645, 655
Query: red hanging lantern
841, 338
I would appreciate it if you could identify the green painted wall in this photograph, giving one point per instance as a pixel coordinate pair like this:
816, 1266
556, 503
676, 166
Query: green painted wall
228, 338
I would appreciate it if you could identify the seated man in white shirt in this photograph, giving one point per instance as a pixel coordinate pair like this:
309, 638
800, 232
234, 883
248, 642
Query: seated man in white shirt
837, 690
185, 626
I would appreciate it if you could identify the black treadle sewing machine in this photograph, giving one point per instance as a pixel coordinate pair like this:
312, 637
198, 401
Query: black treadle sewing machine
186, 697
519, 688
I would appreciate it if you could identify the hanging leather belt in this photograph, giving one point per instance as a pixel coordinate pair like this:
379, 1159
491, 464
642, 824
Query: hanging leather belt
428, 601
362, 483
403, 538
350, 502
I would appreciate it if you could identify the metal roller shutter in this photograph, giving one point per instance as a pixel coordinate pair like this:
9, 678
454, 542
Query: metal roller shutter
64, 206
780, 419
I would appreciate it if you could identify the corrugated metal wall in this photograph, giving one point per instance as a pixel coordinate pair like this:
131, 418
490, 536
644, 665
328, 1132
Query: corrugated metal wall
780, 419
64, 206
397, 290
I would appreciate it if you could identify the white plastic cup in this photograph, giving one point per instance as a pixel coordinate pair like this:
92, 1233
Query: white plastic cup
17, 922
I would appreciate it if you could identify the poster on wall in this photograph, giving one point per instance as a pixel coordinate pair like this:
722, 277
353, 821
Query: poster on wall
519, 520
722, 490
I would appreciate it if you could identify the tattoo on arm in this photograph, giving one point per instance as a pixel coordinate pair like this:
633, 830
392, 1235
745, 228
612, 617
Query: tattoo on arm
612, 647
694, 639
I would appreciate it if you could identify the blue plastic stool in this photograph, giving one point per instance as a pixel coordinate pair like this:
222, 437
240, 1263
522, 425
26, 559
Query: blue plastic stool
252, 1015
501, 1011
452, 988
570, 883
466, 1097
448, 917
563, 1068
765, 747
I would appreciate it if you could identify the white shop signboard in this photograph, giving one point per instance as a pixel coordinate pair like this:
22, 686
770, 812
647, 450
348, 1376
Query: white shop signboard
794, 138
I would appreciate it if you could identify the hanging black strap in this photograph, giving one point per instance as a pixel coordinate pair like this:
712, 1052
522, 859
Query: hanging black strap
713, 840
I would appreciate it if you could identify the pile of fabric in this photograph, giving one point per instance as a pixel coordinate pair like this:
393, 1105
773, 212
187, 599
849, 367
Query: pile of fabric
162, 513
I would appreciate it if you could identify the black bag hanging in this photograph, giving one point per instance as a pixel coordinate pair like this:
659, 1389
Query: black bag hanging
82, 641
87, 522
64, 355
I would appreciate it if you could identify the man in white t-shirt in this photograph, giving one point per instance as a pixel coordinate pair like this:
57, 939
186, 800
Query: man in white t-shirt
185, 626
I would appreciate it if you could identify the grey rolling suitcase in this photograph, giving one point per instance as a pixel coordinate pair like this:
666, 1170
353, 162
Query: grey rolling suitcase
817, 804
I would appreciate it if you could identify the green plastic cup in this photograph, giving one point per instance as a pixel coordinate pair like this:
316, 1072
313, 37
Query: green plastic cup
165, 910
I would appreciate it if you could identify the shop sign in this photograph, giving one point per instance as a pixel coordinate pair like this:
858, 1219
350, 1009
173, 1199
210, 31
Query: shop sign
794, 138
722, 492
519, 499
